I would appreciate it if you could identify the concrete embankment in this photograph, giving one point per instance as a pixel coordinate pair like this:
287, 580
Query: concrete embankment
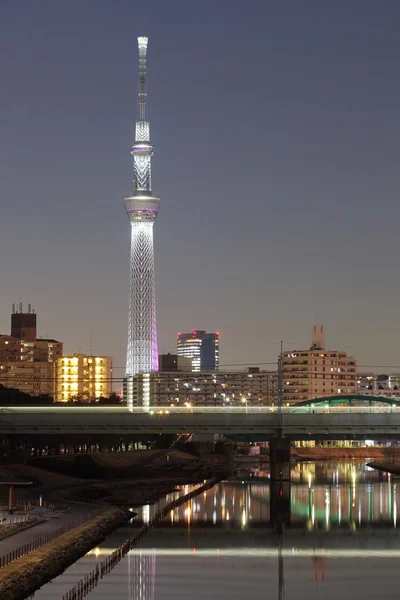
22, 577
386, 465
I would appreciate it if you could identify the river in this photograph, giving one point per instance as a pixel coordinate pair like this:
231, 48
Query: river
339, 540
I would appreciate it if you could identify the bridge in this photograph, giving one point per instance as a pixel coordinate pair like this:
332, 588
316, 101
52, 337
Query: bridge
337, 417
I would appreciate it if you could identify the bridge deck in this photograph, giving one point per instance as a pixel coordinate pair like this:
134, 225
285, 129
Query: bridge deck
353, 423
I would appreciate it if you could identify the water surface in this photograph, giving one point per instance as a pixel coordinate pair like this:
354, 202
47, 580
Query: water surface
339, 540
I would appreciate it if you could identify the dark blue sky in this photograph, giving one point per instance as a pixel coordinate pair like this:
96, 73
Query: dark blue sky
276, 132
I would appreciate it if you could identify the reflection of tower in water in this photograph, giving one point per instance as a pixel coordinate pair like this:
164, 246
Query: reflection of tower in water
141, 575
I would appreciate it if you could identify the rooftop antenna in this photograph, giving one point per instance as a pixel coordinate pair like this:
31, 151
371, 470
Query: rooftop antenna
142, 43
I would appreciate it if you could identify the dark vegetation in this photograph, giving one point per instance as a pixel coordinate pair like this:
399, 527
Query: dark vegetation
13, 397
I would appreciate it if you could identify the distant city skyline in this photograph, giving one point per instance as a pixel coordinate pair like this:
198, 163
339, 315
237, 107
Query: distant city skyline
276, 151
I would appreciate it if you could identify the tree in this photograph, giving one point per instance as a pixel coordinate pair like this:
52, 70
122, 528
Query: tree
14, 397
112, 399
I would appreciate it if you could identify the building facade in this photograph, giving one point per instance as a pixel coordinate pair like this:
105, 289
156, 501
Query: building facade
82, 377
206, 388
317, 372
28, 363
142, 209
34, 378
201, 348
373, 384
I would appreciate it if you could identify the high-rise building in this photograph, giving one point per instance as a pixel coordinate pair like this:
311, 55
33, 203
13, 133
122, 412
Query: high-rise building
317, 372
201, 347
206, 388
142, 208
28, 363
24, 328
83, 377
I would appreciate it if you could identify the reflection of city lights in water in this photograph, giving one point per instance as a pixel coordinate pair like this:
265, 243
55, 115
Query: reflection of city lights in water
353, 487
327, 507
146, 513
356, 501
244, 518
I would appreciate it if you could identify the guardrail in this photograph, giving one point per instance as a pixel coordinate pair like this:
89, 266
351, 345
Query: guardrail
8, 558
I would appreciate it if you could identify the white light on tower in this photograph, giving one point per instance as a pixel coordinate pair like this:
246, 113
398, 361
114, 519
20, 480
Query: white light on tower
142, 208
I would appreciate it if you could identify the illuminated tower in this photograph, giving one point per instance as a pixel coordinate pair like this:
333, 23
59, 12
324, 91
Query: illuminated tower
142, 208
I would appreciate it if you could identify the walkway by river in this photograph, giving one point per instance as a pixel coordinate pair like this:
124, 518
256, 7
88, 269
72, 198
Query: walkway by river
342, 542
54, 520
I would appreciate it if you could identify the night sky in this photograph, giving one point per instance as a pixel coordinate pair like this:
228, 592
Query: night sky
276, 131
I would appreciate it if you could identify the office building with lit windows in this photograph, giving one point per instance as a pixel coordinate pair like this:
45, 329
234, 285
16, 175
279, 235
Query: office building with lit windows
317, 372
82, 377
201, 348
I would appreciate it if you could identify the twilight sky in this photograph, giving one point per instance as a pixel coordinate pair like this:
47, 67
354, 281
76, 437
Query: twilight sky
276, 131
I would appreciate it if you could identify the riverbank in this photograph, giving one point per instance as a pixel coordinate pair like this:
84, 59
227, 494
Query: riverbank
128, 480
338, 453
22, 577
322, 454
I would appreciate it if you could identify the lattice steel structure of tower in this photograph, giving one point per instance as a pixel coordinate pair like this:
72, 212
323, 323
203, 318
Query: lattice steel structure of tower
142, 208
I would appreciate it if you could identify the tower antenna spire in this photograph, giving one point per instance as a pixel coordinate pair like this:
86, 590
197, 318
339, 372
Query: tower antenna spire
142, 43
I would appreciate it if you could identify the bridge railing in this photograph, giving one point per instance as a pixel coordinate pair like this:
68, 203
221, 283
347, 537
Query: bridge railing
164, 411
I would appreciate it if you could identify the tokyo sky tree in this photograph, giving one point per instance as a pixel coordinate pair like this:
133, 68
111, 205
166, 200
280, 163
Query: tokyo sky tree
142, 208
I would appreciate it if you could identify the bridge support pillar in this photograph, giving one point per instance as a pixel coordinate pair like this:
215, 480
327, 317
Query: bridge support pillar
279, 459
279, 503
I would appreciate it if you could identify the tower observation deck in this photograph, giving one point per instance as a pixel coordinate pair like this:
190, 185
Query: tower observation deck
142, 209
